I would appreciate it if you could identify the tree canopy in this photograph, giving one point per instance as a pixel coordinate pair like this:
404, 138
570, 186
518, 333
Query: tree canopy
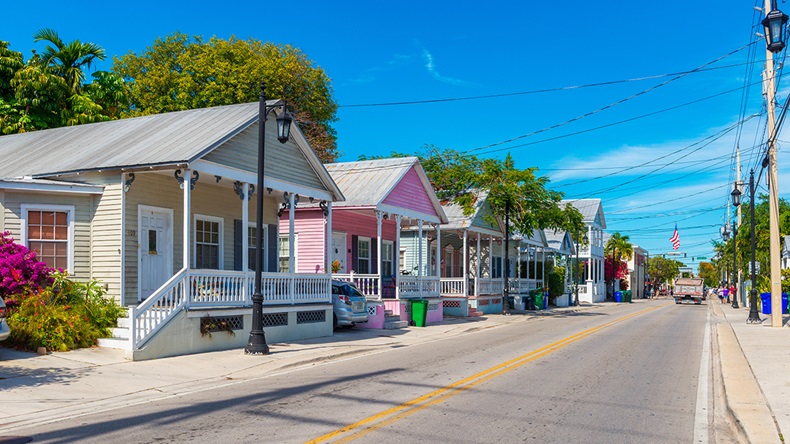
663, 270
179, 73
462, 178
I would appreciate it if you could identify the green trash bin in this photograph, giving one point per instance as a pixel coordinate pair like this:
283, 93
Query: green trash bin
419, 312
539, 299
628, 296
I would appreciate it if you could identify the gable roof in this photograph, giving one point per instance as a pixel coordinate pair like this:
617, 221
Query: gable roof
476, 221
591, 209
560, 241
155, 141
368, 183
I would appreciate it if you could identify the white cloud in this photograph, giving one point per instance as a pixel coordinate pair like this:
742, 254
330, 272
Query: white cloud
431, 68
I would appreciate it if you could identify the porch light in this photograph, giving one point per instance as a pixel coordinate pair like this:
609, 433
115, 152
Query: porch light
725, 232
257, 342
586, 239
774, 24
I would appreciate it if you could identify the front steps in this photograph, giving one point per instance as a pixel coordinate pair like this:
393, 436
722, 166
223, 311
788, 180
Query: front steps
393, 322
120, 336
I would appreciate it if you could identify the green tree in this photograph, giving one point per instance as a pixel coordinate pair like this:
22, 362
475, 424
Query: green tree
618, 247
68, 60
708, 272
179, 73
663, 270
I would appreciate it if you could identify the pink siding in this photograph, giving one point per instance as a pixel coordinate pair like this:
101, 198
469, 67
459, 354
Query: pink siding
310, 240
310, 231
410, 194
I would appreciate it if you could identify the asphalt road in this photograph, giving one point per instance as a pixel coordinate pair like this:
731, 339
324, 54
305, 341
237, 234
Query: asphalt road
616, 374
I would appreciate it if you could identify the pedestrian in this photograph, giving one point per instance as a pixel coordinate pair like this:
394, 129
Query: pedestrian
720, 292
731, 294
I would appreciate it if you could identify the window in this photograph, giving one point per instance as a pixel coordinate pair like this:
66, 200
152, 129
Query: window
208, 242
49, 230
386, 258
252, 231
448, 258
496, 268
363, 255
402, 260
285, 253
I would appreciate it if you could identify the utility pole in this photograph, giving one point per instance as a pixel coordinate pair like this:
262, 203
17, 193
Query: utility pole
769, 87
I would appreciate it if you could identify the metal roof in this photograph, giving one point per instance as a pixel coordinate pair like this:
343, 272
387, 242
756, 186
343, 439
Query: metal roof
559, 241
368, 182
590, 209
161, 139
474, 222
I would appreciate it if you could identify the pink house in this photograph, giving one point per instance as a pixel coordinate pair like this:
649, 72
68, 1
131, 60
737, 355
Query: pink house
382, 196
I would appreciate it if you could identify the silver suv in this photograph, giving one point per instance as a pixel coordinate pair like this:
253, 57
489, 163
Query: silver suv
350, 306
4, 330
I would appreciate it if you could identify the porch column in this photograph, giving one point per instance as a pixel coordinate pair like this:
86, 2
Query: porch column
543, 270
535, 266
466, 263
491, 257
477, 267
379, 217
291, 243
438, 251
187, 235
245, 239
397, 256
419, 249
328, 237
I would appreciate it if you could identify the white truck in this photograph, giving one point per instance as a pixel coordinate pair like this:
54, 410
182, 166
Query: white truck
691, 289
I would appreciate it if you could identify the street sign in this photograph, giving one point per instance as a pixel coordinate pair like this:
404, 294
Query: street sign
701, 258
756, 267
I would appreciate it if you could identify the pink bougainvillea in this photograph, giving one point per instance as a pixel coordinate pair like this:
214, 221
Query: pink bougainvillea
20, 272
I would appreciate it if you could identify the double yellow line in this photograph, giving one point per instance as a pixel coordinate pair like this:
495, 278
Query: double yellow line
401, 411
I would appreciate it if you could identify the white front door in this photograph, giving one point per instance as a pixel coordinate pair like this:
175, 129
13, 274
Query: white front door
339, 247
155, 236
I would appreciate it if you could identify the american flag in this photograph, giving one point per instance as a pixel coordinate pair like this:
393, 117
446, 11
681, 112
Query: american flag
675, 239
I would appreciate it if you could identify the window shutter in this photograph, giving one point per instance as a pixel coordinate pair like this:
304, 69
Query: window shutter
274, 246
355, 253
374, 256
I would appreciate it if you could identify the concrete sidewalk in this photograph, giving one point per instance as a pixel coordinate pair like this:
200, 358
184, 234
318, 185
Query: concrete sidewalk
754, 359
41, 389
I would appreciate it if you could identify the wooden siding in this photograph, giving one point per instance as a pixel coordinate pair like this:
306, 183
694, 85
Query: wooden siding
310, 229
481, 216
83, 213
410, 193
208, 198
283, 161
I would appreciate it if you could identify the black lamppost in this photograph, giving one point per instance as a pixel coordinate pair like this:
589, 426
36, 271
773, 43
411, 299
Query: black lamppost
257, 342
774, 24
754, 317
736, 201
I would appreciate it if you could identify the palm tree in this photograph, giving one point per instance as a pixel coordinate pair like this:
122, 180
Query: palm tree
67, 60
619, 247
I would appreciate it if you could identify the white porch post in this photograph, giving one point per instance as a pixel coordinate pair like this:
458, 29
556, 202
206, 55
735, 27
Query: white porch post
543, 270
245, 239
187, 184
328, 269
438, 251
535, 266
379, 217
291, 234
397, 256
466, 263
419, 249
477, 267
491, 257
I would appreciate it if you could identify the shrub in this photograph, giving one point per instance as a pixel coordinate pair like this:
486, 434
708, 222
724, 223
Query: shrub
556, 283
20, 272
63, 316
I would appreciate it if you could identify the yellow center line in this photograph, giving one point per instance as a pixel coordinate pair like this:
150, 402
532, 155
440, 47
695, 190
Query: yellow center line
408, 408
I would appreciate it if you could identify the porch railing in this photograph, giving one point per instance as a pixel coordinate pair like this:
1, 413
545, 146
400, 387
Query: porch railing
418, 286
219, 288
488, 286
452, 287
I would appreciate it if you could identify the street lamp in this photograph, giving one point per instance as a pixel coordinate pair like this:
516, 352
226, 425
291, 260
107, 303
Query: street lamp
257, 342
736, 201
774, 24
754, 317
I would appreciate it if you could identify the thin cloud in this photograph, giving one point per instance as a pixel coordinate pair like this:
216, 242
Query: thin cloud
430, 66
396, 61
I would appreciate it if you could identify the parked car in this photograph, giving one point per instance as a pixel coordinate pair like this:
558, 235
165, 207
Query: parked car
350, 306
4, 329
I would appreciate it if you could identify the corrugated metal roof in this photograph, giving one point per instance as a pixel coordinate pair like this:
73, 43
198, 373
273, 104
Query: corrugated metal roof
590, 208
368, 182
459, 221
160, 139
556, 241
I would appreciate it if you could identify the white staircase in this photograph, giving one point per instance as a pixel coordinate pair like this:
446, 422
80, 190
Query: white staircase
120, 336
393, 322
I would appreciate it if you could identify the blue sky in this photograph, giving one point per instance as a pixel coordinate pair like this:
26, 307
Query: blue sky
655, 145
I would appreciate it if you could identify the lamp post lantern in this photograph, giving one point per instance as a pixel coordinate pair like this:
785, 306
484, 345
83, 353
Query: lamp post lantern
736, 201
257, 342
774, 23
754, 317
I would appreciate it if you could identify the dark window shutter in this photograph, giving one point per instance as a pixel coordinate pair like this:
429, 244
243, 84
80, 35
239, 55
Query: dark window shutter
355, 253
274, 247
237, 244
374, 256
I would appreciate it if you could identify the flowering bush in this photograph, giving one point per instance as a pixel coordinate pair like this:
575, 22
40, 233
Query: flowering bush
20, 272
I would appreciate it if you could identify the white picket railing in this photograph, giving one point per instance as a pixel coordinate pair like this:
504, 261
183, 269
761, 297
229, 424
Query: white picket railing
452, 287
488, 286
430, 286
219, 288
409, 286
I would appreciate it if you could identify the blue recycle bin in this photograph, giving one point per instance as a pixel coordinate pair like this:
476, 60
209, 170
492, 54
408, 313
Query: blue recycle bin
765, 300
546, 301
618, 296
